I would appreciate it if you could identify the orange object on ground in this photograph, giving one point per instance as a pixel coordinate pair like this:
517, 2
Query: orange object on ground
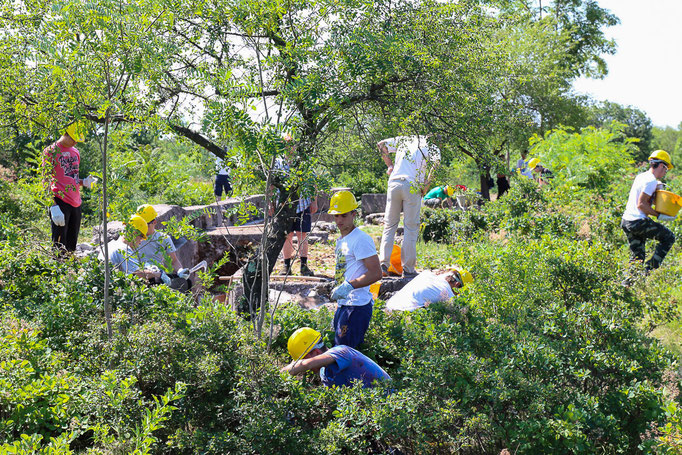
396, 263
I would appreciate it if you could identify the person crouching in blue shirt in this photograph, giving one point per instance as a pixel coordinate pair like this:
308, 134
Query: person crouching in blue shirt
338, 366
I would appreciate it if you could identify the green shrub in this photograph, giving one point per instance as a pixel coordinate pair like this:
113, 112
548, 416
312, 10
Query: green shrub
588, 159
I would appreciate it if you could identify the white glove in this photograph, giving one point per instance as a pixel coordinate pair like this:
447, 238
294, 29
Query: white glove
341, 292
165, 278
662, 217
88, 181
151, 268
57, 215
183, 273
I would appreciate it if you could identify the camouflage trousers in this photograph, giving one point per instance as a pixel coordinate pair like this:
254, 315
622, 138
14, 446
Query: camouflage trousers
639, 231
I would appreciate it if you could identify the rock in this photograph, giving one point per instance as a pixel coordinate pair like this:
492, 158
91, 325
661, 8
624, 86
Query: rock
325, 227
202, 216
84, 250
303, 293
374, 218
114, 229
84, 247
373, 203
391, 285
235, 241
313, 239
165, 212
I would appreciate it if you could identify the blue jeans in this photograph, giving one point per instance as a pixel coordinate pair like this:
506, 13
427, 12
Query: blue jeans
351, 323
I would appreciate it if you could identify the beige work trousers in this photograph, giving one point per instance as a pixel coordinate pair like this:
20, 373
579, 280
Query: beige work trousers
401, 199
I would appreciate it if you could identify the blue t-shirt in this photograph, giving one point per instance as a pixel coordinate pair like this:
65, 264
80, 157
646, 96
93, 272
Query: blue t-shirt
351, 365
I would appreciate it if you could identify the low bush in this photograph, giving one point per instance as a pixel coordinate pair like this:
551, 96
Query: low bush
544, 353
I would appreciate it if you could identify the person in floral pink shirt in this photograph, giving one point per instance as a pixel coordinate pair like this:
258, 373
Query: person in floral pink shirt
61, 162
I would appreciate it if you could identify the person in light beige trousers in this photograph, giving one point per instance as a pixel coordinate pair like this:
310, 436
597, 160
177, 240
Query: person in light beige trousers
416, 158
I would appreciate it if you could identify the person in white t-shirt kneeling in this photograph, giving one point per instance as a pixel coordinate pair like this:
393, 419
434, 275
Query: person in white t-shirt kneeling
357, 266
427, 288
636, 224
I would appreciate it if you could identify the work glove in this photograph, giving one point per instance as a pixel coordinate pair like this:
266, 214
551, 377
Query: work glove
88, 181
151, 268
662, 217
57, 215
183, 273
341, 292
165, 278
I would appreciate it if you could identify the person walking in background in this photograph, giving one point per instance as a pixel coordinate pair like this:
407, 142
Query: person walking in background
637, 225
222, 180
502, 185
61, 164
357, 266
302, 222
409, 179
301, 227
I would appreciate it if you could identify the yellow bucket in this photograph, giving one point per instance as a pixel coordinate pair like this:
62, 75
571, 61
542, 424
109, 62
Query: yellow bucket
667, 203
374, 289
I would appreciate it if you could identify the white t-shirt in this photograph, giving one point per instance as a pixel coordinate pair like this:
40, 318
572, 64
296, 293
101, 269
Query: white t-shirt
643, 182
221, 169
425, 289
350, 251
413, 157
124, 258
156, 248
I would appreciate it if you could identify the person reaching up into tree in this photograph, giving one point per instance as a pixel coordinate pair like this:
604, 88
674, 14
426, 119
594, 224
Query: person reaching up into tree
339, 366
637, 225
357, 266
416, 158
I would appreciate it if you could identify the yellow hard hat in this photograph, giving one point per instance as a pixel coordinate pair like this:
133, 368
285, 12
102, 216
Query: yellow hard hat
464, 275
139, 224
76, 131
147, 212
342, 202
663, 156
534, 162
449, 190
302, 341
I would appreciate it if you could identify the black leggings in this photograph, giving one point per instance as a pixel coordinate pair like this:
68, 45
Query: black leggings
66, 237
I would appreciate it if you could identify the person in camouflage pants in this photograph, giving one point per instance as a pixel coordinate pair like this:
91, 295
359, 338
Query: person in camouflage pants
639, 231
636, 222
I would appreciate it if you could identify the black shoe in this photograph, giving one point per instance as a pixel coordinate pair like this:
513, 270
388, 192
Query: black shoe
287, 270
305, 271
407, 274
384, 270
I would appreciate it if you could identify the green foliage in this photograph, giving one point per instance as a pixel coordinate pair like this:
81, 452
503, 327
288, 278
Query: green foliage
542, 353
589, 159
637, 125
155, 172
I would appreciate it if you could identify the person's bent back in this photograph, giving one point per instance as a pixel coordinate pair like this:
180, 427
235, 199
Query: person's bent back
338, 366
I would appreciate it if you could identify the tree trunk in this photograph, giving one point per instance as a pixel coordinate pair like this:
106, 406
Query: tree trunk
254, 281
485, 189
105, 231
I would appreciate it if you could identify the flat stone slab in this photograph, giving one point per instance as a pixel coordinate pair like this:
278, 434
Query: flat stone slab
373, 203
